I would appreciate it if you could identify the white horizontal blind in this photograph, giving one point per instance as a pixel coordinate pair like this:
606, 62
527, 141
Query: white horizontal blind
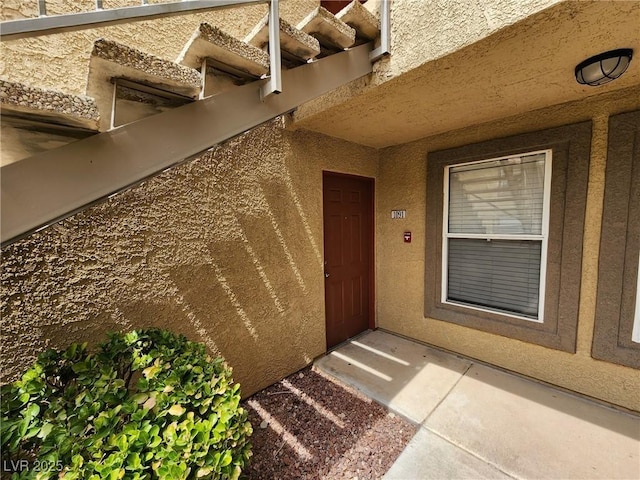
501, 196
495, 234
500, 274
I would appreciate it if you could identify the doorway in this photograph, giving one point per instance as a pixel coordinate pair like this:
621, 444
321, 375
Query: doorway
348, 255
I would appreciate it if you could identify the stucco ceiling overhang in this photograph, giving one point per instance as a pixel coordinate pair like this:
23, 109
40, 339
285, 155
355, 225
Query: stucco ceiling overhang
524, 67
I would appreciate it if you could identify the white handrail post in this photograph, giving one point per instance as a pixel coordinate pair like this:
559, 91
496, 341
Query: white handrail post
101, 17
385, 32
42, 8
274, 84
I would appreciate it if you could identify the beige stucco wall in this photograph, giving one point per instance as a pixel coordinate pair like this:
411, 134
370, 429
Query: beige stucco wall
425, 31
61, 61
402, 184
226, 249
422, 31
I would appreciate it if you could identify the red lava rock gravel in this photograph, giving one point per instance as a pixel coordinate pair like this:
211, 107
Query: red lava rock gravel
308, 426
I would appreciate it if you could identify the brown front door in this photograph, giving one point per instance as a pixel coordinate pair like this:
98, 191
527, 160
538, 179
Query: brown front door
348, 255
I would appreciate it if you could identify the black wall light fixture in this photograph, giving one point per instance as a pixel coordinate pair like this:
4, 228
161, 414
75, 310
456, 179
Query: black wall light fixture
603, 68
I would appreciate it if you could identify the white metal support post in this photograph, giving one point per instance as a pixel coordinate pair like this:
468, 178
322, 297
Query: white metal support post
274, 84
385, 32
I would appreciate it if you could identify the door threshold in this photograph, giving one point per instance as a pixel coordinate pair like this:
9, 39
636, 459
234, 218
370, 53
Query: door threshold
349, 340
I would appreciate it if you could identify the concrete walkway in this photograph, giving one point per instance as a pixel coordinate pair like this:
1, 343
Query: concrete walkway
478, 422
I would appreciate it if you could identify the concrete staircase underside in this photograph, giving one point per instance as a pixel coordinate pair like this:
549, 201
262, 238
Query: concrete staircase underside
56, 162
54, 184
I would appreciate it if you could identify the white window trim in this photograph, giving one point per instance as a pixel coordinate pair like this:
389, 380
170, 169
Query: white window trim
635, 335
544, 237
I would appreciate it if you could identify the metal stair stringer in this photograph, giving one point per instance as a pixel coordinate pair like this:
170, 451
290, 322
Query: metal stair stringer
47, 187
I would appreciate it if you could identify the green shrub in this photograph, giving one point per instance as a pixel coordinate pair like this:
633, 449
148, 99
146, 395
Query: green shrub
149, 404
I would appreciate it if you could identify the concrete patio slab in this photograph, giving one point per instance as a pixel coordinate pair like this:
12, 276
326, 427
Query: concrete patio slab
480, 422
409, 378
533, 431
430, 457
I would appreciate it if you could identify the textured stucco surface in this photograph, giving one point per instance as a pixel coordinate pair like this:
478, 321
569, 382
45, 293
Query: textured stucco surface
400, 267
618, 270
61, 61
456, 64
423, 31
226, 249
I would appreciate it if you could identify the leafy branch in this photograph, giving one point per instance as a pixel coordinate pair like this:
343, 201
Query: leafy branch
148, 404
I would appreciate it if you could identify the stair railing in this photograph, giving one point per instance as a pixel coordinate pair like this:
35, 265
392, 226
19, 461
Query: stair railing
48, 24
39, 191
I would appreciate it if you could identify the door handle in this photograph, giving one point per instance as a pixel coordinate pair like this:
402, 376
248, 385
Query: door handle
326, 275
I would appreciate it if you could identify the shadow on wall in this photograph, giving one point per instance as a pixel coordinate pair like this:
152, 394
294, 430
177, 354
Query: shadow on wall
219, 249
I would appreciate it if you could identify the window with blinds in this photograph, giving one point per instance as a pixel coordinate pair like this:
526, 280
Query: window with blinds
495, 234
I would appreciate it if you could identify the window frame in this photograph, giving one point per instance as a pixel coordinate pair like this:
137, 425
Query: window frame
570, 146
635, 332
618, 266
543, 237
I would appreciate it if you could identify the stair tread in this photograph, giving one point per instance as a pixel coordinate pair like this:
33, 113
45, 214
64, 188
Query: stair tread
328, 29
158, 70
48, 106
210, 42
111, 60
365, 23
293, 41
